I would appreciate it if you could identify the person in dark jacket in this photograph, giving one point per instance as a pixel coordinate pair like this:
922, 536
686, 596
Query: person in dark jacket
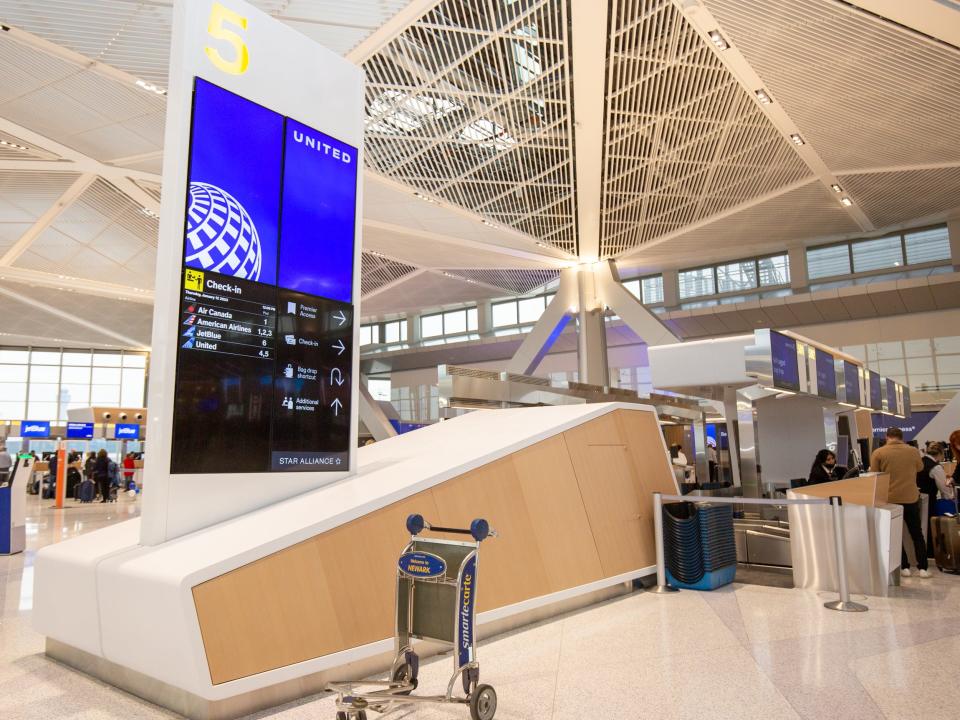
101, 474
824, 468
88, 465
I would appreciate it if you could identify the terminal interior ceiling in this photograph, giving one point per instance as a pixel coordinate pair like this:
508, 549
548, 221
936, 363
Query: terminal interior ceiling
801, 122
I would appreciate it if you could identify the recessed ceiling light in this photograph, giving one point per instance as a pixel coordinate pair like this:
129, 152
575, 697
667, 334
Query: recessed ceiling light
15, 146
845, 201
489, 224
423, 197
836, 188
150, 87
797, 140
717, 39
540, 244
763, 97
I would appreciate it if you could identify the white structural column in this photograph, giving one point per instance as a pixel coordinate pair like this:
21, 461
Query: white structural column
612, 294
540, 339
589, 61
591, 331
372, 415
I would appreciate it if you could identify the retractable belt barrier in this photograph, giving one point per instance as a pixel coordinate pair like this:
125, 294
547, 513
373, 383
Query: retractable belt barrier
843, 604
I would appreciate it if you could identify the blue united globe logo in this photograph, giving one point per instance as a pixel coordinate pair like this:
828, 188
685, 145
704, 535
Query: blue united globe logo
220, 234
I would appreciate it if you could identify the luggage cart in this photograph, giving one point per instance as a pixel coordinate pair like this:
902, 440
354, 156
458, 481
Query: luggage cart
436, 601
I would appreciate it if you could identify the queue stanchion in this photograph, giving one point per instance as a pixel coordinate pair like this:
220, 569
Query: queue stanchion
661, 587
844, 604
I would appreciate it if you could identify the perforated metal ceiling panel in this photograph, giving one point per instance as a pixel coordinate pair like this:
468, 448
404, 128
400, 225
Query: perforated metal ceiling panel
134, 36
864, 91
515, 282
377, 271
895, 197
470, 104
683, 140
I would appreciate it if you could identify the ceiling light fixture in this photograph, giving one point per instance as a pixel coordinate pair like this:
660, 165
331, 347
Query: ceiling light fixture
489, 224
150, 213
846, 202
763, 97
836, 188
542, 245
15, 146
797, 140
150, 87
424, 197
717, 39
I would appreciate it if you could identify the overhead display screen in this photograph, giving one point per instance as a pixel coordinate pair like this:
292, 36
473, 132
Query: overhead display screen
890, 396
35, 429
783, 354
266, 324
874, 383
79, 431
851, 383
907, 409
826, 375
126, 431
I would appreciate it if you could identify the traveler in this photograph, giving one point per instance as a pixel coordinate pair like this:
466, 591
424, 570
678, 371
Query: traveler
824, 468
129, 467
932, 481
955, 452
88, 465
679, 461
101, 474
6, 462
902, 463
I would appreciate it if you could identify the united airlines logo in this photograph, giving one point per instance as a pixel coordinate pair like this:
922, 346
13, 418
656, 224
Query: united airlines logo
321, 147
220, 234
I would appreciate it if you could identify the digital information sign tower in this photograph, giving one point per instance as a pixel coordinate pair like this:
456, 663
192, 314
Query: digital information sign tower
253, 370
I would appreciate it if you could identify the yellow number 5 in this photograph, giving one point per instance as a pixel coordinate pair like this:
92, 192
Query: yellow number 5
219, 15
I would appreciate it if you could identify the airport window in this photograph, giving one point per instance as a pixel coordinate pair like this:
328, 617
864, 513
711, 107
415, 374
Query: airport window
737, 276
43, 384
927, 245
828, 261
505, 314
529, 310
395, 331
874, 255
369, 335
694, 283
379, 388
652, 290
452, 322
431, 325
633, 287
774, 270
879, 254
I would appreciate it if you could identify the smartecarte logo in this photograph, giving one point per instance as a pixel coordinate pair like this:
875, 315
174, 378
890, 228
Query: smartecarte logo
221, 235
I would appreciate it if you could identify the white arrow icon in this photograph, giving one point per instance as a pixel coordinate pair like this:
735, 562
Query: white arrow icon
341, 317
336, 405
336, 377
340, 347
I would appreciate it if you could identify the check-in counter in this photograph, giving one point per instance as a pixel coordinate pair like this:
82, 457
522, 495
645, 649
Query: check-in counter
873, 532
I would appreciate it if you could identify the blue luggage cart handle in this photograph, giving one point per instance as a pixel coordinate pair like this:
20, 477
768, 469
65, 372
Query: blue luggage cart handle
479, 529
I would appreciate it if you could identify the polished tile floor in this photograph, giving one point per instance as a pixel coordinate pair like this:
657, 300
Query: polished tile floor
744, 651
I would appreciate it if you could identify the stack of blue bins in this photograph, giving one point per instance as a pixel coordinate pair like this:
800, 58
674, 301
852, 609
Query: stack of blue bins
699, 548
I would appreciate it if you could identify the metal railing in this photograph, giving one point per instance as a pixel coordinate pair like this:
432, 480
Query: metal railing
843, 604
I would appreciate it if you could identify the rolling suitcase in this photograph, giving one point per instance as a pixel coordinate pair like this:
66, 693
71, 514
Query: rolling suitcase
946, 542
87, 491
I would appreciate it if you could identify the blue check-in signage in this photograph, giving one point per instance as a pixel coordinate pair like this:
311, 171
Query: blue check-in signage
34, 428
126, 431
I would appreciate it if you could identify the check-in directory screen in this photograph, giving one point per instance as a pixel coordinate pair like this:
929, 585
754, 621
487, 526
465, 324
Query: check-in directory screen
783, 354
265, 333
851, 383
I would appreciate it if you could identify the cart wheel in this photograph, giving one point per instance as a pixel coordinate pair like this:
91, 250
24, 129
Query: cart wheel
404, 673
483, 703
